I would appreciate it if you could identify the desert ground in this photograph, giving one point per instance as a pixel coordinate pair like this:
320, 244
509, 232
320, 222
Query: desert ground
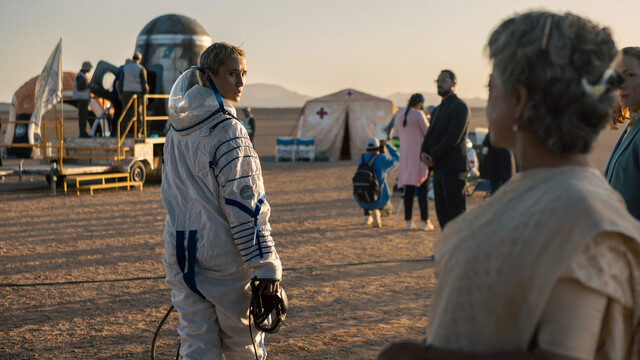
81, 277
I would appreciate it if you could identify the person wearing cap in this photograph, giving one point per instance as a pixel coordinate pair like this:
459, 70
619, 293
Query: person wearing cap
382, 165
133, 81
81, 95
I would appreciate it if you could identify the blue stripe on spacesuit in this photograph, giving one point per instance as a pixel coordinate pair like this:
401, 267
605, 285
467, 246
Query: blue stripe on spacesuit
261, 255
244, 208
180, 253
199, 122
237, 147
239, 178
263, 235
263, 245
215, 162
253, 214
236, 158
248, 236
268, 243
189, 276
244, 223
243, 230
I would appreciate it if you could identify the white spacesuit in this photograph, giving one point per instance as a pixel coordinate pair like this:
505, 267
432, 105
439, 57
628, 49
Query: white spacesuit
217, 235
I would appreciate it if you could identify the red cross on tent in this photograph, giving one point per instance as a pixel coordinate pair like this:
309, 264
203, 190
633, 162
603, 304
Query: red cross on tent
349, 94
321, 112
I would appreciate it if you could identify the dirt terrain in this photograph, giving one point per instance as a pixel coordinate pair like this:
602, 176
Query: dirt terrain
81, 276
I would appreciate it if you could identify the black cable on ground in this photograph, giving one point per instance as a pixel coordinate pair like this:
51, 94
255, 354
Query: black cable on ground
155, 336
81, 282
315, 267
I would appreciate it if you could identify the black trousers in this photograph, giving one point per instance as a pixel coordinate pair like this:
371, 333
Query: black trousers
83, 114
117, 111
448, 190
409, 194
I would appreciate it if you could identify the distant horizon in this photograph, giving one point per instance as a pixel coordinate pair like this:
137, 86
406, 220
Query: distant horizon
398, 98
376, 46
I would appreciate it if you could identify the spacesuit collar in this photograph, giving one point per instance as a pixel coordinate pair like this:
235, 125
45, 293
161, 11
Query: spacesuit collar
216, 107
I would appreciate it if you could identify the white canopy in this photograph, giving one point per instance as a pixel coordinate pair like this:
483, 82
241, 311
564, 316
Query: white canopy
342, 122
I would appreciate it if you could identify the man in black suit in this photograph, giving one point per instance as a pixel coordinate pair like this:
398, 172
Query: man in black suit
444, 150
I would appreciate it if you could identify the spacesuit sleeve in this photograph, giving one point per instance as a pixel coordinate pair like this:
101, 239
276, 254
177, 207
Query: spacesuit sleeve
237, 167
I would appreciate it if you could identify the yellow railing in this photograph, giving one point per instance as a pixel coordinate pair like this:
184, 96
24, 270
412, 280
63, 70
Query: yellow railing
134, 120
45, 145
58, 130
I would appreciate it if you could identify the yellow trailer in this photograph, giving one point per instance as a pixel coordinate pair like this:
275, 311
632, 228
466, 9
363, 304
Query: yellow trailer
81, 159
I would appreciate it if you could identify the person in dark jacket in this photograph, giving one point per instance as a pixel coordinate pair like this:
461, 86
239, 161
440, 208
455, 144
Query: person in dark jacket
444, 150
499, 164
82, 96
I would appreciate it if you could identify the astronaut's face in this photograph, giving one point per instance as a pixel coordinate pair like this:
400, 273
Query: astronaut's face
231, 78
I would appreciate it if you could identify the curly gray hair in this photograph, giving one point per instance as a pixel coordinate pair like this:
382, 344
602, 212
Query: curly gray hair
549, 55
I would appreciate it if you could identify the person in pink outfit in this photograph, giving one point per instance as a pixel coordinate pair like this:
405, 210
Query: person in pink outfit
411, 125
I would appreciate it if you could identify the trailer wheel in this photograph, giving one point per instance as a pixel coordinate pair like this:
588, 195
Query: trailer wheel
137, 172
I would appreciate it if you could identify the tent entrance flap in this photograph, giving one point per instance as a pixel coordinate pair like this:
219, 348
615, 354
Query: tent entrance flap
345, 150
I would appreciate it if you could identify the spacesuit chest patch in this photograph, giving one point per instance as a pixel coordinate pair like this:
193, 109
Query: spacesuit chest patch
246, 192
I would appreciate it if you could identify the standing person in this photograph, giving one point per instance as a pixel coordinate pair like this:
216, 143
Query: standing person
549, 266
249, 123
213, 192
82, 95
116, 100
411, 126
382, 165
133, 81
499, 164
623, 168
444, 150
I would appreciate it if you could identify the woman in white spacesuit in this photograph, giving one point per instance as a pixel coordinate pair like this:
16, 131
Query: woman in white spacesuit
217, 236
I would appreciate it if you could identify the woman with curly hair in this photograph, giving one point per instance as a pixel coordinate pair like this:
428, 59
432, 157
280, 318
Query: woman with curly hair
549, 266
623, 167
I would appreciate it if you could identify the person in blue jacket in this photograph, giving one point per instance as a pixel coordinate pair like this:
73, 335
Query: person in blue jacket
383, 164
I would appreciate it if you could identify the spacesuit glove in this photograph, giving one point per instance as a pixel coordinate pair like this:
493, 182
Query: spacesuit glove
268, 286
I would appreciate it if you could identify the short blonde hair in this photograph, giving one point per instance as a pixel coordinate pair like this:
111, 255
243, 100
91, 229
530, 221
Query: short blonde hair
215, 55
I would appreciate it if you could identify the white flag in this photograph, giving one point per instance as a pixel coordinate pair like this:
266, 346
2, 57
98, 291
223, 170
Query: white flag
48, 90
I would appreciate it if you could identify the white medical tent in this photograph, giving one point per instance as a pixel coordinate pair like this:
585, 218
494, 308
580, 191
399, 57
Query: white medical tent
341, 123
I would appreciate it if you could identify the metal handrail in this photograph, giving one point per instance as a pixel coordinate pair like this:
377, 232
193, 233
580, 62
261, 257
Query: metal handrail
58, 129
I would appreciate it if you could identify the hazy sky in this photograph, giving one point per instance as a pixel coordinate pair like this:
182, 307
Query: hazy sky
311, 47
